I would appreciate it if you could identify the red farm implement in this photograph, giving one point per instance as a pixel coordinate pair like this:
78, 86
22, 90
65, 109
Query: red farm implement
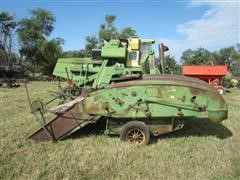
213, 74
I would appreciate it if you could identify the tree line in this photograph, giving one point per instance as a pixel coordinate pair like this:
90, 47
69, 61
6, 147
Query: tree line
229, 56
39, 53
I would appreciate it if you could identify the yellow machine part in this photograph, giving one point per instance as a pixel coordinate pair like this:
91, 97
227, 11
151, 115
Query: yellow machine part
134, 43
234, 82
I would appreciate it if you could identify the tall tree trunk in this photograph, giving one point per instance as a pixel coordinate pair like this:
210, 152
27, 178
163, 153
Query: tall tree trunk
5, 50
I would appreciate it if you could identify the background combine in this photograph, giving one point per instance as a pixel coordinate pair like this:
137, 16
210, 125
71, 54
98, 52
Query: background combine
123, 85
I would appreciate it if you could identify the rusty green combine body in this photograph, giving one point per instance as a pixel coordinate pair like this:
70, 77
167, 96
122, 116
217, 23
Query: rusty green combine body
122, 85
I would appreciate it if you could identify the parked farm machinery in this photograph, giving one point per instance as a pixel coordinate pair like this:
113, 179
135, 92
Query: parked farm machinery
122, 85
11, 74
212, 74
230, 81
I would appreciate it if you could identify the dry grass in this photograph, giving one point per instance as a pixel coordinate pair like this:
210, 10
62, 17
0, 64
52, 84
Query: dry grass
201, 150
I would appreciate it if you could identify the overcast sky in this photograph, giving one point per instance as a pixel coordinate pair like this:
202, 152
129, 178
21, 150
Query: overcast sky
179, 24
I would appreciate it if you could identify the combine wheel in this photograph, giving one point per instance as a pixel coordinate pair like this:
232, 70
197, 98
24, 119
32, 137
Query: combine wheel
135, 131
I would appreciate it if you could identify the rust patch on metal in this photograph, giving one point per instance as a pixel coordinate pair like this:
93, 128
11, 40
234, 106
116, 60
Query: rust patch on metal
134, 93
195, 91
91, 107
164, 79
217, 97
119, 102
60, 125
183, 99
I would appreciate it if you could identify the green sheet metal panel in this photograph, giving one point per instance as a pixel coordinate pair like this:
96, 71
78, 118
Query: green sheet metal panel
156, 98
113, 52
64, 64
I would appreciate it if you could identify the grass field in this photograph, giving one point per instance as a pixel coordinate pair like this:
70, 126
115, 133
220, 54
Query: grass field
201, 150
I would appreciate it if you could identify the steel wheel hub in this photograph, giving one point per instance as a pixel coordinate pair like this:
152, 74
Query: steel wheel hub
136, 135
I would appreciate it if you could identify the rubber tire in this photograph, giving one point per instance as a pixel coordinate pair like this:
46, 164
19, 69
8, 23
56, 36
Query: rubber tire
135, 125
227, 84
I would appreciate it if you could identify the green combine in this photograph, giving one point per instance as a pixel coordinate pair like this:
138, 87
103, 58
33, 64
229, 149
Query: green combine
123, 85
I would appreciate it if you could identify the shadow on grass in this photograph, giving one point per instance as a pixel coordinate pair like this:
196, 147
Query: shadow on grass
89, 130
228, 91
196, 127
199, 127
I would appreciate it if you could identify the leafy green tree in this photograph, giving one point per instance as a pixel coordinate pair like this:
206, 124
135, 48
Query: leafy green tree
2, 57
51, 51
238, 49
91, 43
127, 32
35, 48
172, 65
231, 57
109, 31
236, 65
236, 68
227, 56
199, 56
7, 29
73, 54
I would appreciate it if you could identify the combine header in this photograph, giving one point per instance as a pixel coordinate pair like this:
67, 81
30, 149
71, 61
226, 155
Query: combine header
122, 85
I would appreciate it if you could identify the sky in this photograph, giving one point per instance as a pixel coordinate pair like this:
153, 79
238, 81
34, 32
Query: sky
211, 24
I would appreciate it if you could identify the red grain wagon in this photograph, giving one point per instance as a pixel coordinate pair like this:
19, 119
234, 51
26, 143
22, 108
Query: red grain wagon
213, 74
